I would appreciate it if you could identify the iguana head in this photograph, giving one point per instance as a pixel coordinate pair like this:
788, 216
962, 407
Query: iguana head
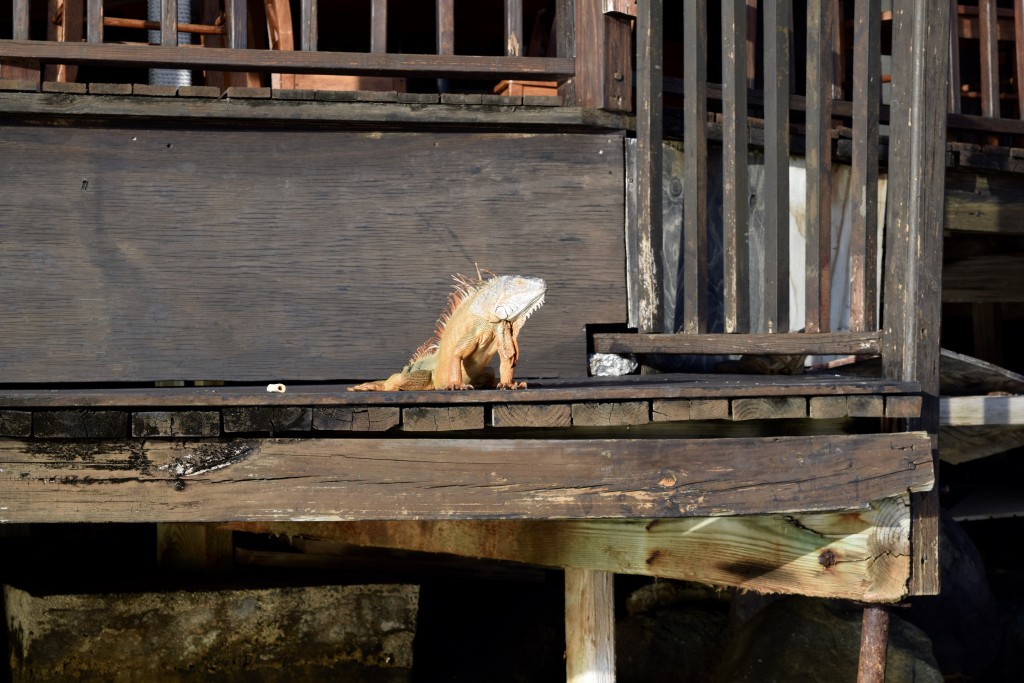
512, 298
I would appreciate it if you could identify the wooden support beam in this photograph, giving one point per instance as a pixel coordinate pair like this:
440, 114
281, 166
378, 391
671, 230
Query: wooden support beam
589, 626
775, 316
818, 157
960, 411
857, 555
353, 479
911, 318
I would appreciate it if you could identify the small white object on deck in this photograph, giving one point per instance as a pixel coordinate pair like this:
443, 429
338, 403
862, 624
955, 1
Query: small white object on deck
277, 388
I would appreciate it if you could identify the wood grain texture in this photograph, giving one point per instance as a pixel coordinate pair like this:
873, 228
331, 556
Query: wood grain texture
963, 444
442, 418
671, 410
914, 236
356, 418
770, 408
858, 555
237, 269
532, 415
359, 479
735, 183
589, 626
610, 414
715, 344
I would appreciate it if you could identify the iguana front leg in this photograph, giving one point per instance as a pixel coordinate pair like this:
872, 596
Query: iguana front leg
508, 356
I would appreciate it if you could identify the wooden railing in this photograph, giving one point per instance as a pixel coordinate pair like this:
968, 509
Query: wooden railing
581, 29
754, 295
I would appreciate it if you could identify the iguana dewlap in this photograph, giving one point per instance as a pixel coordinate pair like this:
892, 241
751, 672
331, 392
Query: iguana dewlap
482, 321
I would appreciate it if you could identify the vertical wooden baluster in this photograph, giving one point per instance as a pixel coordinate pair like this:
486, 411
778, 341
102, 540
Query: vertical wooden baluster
819, 166
650, 83
864, 165
238, 23
514, 28
94, 21
776, 160
565, 35
20, 23
445, 27
1018, 35
735, 186
954, 57
751, 44
379, 27
20, 69
695, 185
989, 58
169, 23
309, 29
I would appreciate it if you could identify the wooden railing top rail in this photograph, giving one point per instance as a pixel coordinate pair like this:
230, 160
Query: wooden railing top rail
267, 61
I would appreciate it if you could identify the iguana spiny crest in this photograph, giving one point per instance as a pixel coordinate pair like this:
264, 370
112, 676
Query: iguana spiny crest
483, 319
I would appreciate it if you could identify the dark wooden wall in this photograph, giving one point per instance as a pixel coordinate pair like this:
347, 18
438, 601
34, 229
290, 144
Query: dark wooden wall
139, 254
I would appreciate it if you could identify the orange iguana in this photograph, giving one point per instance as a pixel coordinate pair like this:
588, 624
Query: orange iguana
483, 319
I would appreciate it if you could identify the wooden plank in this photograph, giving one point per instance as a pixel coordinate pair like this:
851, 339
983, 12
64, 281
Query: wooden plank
356, 418
15, 423
858, 555
961, 374
691, 386
695, 177
610, 414
828, 407
358, 479
65, 25
78, 424
589, 626
24, 69
983, 277
1018, 37
514, 28
650, 312
271, 419
735, 185
954, 59
352, 63
565, 45
179, 423
984, 203
818, 159
873, 406
903, 406
825, 343
531, 415
445, 27
248, 326
672, 410
963, 444
981, 410
864, 165
442, 418
914, 236
769, 408
379, 26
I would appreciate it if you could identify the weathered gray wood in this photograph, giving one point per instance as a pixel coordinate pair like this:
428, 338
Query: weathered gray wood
532, 415
309, 30
77, 424
864, 343
94, 21
379, 26
769, 408
15, 423
182, 423
648, 164
676, 409
867, 85
914, 236
272, 293
610, 414
356, 418
442, 418
988, 59
963, 375
445, 18
339, 479
565, 45
604, 75
169, 23
775, 316
695, 177
272, 419
735, 186
962, 444
870, 406
818, 158
828, 407
268, 61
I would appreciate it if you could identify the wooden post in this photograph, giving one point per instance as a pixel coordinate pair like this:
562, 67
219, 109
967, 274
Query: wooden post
379, 26
917, 167
818, 282
445, 27
695, 177
650, 87
735, 182
589, 626
874, 641
604, 76
18, 69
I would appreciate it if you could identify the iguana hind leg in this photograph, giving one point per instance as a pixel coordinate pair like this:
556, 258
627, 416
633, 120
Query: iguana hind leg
418, 380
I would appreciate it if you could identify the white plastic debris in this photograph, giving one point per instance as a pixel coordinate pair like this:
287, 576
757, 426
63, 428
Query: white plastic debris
612, 365
277, 388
